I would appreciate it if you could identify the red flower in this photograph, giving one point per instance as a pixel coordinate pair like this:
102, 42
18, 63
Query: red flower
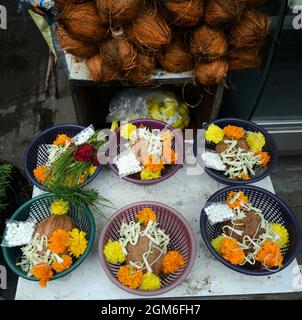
96, 162
84, 153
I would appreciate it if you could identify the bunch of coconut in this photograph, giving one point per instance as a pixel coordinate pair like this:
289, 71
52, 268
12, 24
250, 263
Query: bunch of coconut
127, 39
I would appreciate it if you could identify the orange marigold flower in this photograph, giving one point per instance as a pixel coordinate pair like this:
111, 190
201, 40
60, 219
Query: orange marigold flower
62, 139
241, 197
59, 267
42, 272
130, 276
82, 179
269, 255
146, 215
172, 261
231, 251
58, 242
170, 156
233, 132
245, 177
153, 164
40, 173
264, 158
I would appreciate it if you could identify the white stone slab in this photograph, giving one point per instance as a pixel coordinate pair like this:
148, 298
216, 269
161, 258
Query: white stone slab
78, 71
187, 194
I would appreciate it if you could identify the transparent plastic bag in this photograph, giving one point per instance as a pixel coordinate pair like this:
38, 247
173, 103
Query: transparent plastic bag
159, 104
18, 233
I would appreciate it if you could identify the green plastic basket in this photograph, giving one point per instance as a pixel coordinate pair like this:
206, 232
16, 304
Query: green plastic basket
39, 209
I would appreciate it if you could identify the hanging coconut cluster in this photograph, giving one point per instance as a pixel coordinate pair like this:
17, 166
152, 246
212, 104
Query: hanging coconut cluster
127, 39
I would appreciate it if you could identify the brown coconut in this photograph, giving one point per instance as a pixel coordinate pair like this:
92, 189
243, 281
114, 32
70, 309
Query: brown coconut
119, 51
149, 30
83, 21
251, 30
101, 69
119, 11
212, 72
207, 43
174, 57
184, 12
144, 65
49, 225
218, 12
244, 58
135, 254
62, 3
76, 47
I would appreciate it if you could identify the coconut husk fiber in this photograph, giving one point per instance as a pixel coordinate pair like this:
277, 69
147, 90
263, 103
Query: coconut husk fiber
149, 30
119, 11
183, 12
76, 47
119, 51
174, 57
62, 3
144, 65
101, 70
218, 12
211, 73
251, 30
207, 43
83, 21
244, 58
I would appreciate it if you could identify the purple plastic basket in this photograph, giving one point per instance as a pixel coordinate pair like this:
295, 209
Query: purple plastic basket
260, 172
274, 210
182, 240
47, 136
167, 172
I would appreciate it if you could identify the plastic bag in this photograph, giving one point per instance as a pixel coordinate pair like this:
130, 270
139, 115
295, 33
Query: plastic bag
159, 104
18, 233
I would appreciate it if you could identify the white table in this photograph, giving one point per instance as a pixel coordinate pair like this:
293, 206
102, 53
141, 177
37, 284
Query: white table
187, 194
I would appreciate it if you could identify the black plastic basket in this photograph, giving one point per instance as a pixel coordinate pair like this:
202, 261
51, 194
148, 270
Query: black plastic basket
274, 210
38, 146
260, 172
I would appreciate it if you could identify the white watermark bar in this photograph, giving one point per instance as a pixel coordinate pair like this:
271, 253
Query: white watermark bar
297, 21
3, 17
3, 278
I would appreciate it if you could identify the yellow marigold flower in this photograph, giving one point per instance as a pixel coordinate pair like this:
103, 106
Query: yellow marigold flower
269, 255
58, 242
128, 131
62, 139
233, 132
59, 207
145, 215
231, 251
280, 234
146, 174
216, 244
237, 203
113, 252
92, 170
150, 282
77, 242
214, 134
59, 267
255, 140
40, 173
42, 272
172, 261
130, 276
